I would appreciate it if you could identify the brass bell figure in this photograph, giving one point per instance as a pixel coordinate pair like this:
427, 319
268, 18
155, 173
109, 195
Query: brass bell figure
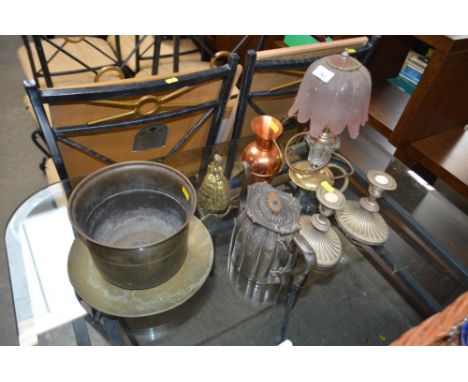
214, 195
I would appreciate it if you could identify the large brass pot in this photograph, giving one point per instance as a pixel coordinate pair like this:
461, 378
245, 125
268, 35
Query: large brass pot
133, 217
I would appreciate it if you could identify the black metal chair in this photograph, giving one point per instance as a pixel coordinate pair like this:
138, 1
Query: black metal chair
278, 66
63, 60
136, 107
152, 55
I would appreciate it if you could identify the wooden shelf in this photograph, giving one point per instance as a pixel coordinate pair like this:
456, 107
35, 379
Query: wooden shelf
446, 155
445, 43
386, 106
426, 127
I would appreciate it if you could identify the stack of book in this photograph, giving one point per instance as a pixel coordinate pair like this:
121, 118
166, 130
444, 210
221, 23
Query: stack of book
413, 67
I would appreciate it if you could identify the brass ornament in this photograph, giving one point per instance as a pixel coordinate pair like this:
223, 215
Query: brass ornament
223, 54
144, 106
214, 195
74, 39
108, 69
274, 203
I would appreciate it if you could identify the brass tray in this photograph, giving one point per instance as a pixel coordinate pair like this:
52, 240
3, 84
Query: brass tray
110, 299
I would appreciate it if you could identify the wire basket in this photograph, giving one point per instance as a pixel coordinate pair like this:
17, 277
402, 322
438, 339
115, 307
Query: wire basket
448, 327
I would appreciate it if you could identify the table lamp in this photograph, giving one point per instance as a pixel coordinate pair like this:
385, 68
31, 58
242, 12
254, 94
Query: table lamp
334, 94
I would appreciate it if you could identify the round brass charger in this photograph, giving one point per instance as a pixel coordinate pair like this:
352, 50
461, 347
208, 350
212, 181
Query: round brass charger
110, 299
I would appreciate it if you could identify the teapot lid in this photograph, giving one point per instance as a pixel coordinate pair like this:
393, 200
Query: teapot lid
273, 209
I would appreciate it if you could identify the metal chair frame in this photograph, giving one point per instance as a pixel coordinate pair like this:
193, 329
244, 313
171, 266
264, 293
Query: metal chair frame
44, 70
199, 41
156, 49
39, 97
119, 62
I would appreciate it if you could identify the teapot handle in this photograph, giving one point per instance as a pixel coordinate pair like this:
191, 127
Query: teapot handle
280, 153
309, 256
245, 182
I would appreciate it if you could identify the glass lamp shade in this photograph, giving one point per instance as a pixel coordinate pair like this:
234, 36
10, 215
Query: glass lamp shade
335, 93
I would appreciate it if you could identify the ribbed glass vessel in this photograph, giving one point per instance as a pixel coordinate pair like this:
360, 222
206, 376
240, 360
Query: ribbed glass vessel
335, 93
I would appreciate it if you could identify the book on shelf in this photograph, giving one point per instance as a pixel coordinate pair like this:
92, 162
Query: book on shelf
413, 67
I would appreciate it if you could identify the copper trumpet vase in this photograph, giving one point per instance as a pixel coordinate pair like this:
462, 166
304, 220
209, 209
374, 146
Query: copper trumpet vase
264, 156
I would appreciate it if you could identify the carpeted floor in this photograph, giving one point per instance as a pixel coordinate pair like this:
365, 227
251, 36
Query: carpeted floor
19, 172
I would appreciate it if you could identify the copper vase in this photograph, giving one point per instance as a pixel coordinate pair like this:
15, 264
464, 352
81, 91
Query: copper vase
264, 156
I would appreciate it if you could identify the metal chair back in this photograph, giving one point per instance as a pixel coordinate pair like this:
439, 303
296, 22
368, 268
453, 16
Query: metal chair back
151, 112
45, 51
148, 48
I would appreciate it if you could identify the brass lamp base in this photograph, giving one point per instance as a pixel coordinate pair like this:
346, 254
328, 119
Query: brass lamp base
309, 174
310, 181
362, 225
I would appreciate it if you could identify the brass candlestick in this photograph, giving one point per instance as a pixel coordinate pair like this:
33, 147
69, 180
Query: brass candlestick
361, 220
317, 229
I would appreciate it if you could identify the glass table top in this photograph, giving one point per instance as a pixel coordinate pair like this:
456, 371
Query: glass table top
371, 297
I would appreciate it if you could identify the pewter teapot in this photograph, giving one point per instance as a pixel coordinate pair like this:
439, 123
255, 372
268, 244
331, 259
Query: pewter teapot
267, 253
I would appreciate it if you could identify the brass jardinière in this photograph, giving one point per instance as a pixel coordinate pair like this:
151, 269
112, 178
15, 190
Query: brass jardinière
134, 217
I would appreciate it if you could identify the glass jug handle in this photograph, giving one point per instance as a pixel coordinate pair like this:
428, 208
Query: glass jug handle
308, 254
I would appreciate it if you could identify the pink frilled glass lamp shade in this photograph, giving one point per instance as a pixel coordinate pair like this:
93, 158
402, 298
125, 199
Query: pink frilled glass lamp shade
335, 94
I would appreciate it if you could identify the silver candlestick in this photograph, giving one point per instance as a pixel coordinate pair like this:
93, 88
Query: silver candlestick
362, 220
317, 229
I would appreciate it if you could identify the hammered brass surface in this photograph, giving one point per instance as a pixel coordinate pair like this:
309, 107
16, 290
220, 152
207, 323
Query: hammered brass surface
312, 180
110, 299
214, 194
